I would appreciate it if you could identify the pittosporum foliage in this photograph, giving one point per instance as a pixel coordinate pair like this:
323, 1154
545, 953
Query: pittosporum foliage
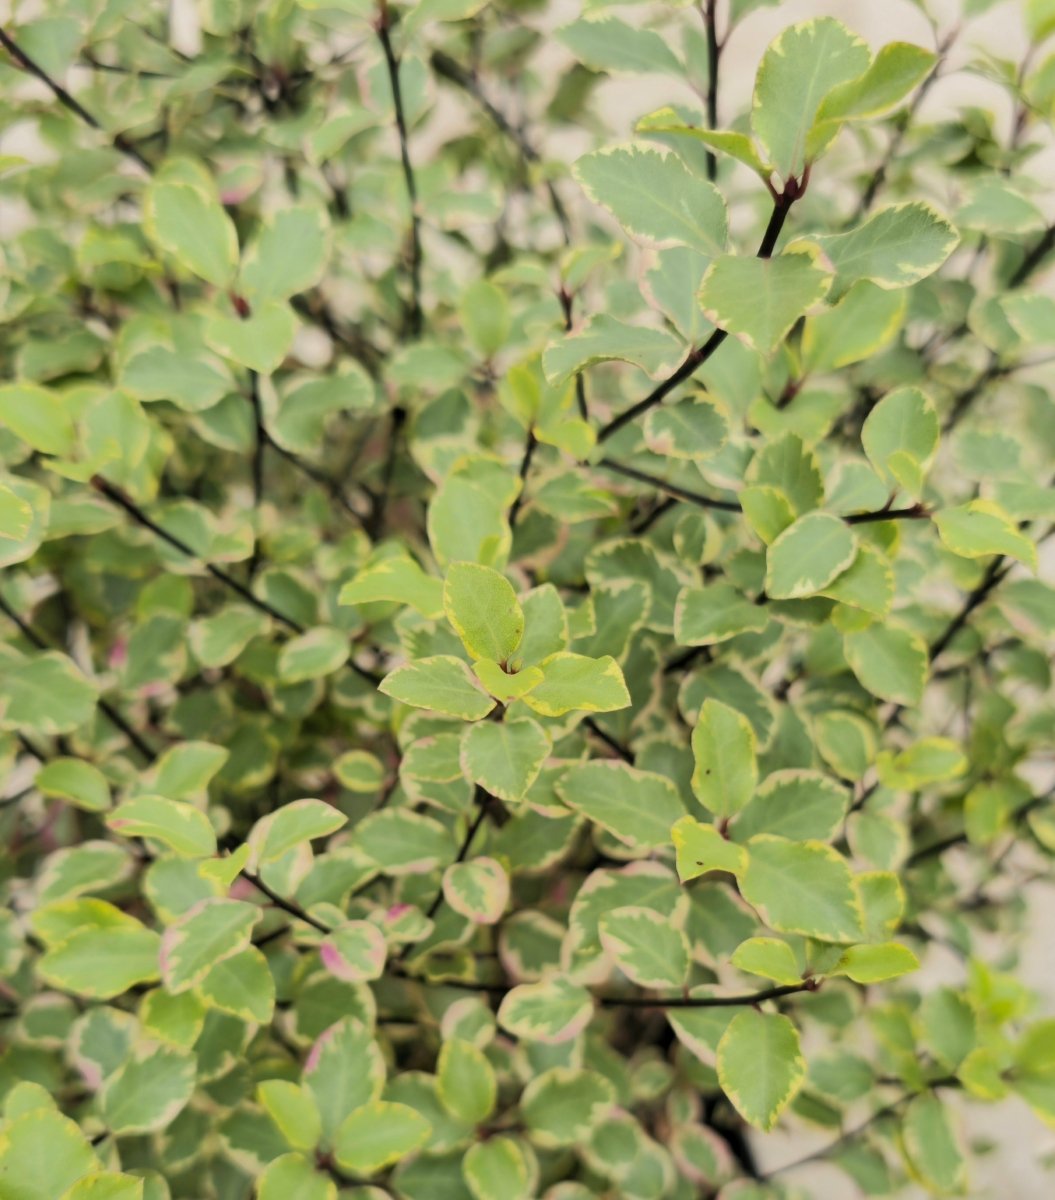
510, 666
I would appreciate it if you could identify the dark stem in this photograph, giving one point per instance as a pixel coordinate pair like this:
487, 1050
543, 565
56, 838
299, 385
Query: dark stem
698, 355
992, 577
414, 312
463, 849
111, 713
455, 73
257, 467
1034, 257
714, 51
379, 506
612, 744
525, 467
904, 123
672, 489
567, 300
773, 993
288, 906
120, 142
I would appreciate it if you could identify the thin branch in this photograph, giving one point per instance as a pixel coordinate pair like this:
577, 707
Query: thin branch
672, 489
453, 72
698, 355
119, 141
714, 52
567, 301
522, 474
608, 740
288, 906
118, 497
379, 505
108, 710
382, 25
463, 849
1034, 257
260, 441
915, 512
903, 123
992, 577
960, 839
749, 998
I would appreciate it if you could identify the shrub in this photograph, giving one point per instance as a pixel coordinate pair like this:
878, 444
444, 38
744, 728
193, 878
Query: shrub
499, 657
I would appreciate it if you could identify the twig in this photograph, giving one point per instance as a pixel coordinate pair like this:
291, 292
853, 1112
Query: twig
453, 72
522, 474
698, 355
118, 497
120, 142
288, 906
672, 489
714, 51
383, 26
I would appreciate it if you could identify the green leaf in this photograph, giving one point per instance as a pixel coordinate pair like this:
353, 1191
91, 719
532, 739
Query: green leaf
798, 804
898, 246
205, 935
655, 197
504, 757
608, 44
802, 887
400, 842
603, 338
563, 1104
355, 952
868, 583
76, 782
479, 890
294, 1111
190, 225
379, 1134
287, 255
895, 71
701, 848
273, 836
798, 70
398, 579
638, 807
312, 655
259, 341
484, 313
646, 947
106, 1185
241, 985
45, 694
809, 556
864, 321
723, 748
496, 1170
980, 528
343, 1072
931, 1145
724, 141
218, 640
148, 1091
42, 1154
900, 437
694, 429
180, 826
552, 1011
442, 683
889, 662
102, 962
484, 611
39, 417
768, 511
768, 957
759, 299
874, 964
715, 613
505, 686
760, 1066
465, 1081
929, 760
577, 682
292, 1177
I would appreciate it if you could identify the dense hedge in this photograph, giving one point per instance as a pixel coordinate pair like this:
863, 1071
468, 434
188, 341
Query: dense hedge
511, 665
